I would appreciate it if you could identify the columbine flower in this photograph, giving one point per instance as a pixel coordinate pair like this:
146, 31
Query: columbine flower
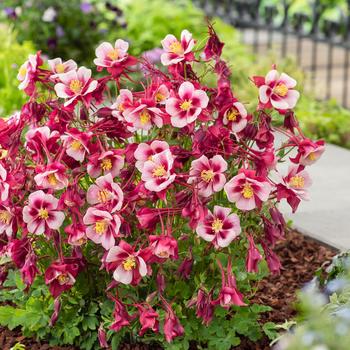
27, 73
57, 67
148, 319
105, 193
103, 227
172, 327
156, 173
208, 174
220, 227
124, 101
129, 266
76, 234
41, 213
6, 220
76, 144
235, 117
4, 186
144, 117
309, 152
277, 91
177, 51
109, 162
253, 256
164, 247
75, 85
41, 138
145, 152
108, 56
52, 176
161, 94
189, 104
60, 277
247, 190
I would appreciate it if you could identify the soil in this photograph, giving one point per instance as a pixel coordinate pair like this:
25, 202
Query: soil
300, 257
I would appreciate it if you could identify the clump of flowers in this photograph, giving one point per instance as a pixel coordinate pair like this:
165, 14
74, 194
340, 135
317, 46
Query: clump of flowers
153, 187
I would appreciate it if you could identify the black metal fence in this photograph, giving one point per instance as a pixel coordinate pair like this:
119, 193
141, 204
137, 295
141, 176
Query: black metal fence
321, 46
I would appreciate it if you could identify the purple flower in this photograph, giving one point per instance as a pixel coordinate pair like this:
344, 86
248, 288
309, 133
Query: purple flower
59, 32
86, 7
10, 12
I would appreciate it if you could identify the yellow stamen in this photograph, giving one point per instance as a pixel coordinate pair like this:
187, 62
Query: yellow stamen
121, 107
113, 54
43, 214
163, 254
52, 179
103, 196
106, 164
63, 278
281, 90
60, 68
176, 47
101, 227
145, 117
247, 191
76, 145
129, 263
232, 115
159, 97
312, 156
217, 225
5, 217
159, 171
75, 86
3, 153
297, 181
207, 175
186, 105
23, 71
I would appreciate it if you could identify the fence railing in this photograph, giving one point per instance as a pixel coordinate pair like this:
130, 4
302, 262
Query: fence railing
321, 45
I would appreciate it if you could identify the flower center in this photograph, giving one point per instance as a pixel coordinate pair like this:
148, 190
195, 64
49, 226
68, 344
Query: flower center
159, 97
121, 107
163, 254
113, 54
297, 181
63, 278
176, 47
60, 68
101, 227
106, 164
43, 214
129, 263
145, 117
159, 171
217, 225
247, 191
232, 115
75, 85
207, 175
5, 217
103, 196
186, 105
76, 145
281, 90
52, 179
23, 71
312, 156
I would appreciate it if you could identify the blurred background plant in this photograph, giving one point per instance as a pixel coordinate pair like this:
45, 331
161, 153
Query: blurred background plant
324, 312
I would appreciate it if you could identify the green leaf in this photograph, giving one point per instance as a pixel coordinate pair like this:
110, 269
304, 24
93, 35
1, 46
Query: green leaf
270, 330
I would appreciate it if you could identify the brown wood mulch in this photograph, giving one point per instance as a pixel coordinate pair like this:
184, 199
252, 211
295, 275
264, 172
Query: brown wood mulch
300, 257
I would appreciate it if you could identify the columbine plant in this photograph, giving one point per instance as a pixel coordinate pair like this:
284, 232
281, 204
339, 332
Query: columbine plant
150, 188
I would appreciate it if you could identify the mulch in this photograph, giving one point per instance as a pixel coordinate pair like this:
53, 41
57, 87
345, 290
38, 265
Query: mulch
300, 257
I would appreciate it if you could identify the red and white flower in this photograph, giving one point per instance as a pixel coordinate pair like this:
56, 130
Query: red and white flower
6, 220
4, 186
129, 266
76, 234
52, 176
75, 85
144, 117
102, 227
220, 227
58, 67
235, 117
108, 56
187, 106
39, 138
108, 162
123, 102
156, 173
246, 190
164, 247
41, 213
161, 94
27, 73
278, 91
309, 152
208, 174
76, 144
105, 193
177, 50
145, 152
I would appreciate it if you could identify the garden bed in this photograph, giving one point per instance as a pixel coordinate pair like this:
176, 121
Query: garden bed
300, 256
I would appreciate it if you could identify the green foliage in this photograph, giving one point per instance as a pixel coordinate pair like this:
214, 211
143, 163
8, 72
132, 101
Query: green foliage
12, 55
